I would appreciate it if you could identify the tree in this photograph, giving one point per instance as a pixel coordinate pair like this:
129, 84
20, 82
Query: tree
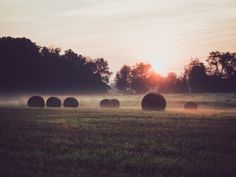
172, 77
134, 78
172, 84
198, 78
222, 71
222, 64
123, 78
27, 67
195, 74
214, 65
140, 77
101, 69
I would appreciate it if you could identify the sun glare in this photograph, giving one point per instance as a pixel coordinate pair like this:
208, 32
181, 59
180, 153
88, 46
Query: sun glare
160, 68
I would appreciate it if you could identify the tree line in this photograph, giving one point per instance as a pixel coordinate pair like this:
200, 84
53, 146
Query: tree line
27, 67
217, 74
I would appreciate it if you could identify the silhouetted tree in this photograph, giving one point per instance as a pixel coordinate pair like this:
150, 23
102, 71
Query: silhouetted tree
195, 75
214, 65
140, 77
198, 78
218, 76
222, 64
27, 67
101, 69
172, 84
123, 78
222, 71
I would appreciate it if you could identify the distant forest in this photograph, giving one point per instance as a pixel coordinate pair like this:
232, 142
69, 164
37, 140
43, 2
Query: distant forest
28, 68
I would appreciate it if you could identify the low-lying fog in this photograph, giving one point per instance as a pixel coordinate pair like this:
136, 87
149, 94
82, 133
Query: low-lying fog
174, 101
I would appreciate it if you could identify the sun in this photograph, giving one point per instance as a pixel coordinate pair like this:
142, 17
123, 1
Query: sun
160, 68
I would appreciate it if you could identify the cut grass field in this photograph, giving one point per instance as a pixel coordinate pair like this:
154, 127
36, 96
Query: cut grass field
124, 142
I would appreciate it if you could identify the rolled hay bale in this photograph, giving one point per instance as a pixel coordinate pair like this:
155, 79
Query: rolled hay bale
153, 102
106, 103
190, 105
115, 103
71, 102
53, 102
36, 101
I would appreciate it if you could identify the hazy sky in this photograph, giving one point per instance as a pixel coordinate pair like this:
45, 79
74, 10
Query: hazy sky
164, 33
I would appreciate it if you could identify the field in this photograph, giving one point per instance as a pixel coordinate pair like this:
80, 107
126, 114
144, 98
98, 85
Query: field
89, 141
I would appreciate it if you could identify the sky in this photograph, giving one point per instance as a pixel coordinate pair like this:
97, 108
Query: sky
163, 33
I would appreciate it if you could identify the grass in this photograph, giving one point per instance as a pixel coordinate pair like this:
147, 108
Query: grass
125, 142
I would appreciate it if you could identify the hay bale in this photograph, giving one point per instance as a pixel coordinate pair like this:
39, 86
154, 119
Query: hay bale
190, 105
36, 101
71, 102
115, 103
106, 103
153, 102
53, 102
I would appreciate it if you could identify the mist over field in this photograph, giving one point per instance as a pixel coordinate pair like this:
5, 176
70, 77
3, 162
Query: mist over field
217, 101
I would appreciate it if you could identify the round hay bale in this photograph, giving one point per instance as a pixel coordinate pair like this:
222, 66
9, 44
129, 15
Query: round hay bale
53, 102
71, 102
36, 101
153, 102
190, 105
115, 103
106, 103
